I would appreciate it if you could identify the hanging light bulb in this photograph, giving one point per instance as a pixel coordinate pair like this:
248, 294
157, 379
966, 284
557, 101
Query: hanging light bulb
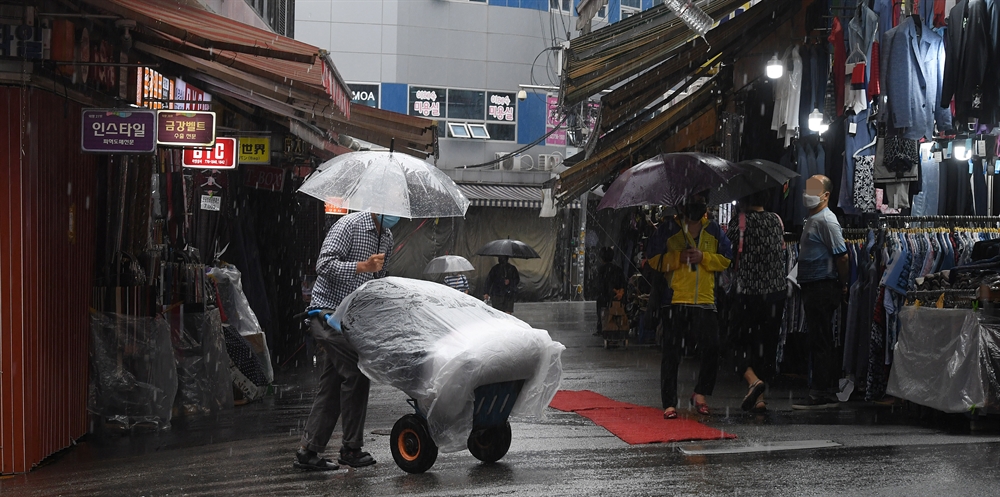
775, 69
961, 150
816, 121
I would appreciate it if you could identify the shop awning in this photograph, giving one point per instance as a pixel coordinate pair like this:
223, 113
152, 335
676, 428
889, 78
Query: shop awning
280, 59
285, 77
527, 197
635, 121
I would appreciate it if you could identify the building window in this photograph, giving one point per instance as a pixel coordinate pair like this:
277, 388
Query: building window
478, 131
561, 5
427, 102
502, 132
466, 104
635, 4
459, 130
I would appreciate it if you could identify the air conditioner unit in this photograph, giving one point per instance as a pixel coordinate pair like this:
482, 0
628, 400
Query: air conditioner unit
543, 160
507, 163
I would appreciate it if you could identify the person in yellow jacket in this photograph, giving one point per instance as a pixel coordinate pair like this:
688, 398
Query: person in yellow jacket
689, 250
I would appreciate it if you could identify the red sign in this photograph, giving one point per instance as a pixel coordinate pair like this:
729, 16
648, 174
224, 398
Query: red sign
221, 156
265, 177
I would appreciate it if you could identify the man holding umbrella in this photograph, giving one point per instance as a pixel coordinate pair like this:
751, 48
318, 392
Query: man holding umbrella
501, 285
353, 252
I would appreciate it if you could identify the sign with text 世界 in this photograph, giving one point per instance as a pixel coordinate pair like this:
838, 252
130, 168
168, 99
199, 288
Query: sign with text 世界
255, 150
222, 155
185, 129
119, 131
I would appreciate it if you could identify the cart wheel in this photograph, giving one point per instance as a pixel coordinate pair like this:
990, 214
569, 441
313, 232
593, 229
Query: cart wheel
411, 445
490, 444
605, 344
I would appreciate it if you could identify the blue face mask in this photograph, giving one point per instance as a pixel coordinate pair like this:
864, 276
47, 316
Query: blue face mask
388, 221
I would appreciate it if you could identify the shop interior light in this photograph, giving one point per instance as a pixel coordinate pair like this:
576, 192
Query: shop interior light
816, 121
961, 150
774, 68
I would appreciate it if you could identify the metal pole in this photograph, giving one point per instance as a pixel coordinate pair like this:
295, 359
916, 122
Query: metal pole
581, 249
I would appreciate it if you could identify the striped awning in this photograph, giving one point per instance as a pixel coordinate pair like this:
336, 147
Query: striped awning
524, 197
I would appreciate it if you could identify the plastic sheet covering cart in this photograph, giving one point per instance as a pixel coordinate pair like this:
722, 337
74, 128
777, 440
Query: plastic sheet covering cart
466, 366
947, 359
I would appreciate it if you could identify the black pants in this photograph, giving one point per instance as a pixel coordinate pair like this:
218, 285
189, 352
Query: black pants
701, 325
757, 321
820, 300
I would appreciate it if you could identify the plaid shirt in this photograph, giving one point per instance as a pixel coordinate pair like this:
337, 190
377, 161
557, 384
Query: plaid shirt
351, 240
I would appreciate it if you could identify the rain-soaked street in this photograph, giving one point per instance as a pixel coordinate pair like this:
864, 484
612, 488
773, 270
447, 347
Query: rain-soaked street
249, 450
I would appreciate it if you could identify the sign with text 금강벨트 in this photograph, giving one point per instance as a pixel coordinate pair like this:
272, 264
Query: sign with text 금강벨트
118, 131
222, 155
185, 128
255, 150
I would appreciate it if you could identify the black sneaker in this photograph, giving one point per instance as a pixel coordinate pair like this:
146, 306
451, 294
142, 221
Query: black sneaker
355, 458
310, 461
816, 403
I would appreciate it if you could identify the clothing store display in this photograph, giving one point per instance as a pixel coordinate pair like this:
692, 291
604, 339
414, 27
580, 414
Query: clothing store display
912, 76
836, 38
787, 97
970, 72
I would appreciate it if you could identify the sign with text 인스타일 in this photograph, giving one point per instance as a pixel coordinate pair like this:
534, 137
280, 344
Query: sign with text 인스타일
118, 131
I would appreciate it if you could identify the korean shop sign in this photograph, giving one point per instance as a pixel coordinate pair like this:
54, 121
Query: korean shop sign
119, 131
255, 150
220, 156
502, 107
185, 129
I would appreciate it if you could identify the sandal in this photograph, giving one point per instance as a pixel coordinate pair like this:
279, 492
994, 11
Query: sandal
700, 407
759, 408
756, 390
670, 413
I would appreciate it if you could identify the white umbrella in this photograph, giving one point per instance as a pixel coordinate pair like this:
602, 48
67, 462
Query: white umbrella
389, 183
448, 264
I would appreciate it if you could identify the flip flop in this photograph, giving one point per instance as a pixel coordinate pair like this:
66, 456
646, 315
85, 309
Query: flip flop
759, 408
670, 414
751, 398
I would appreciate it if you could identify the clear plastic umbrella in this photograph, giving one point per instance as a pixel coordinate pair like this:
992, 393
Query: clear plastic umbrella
389, 183
448, 264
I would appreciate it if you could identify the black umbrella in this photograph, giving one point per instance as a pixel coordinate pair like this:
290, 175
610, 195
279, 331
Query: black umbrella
756, 175
668, 179
509, 248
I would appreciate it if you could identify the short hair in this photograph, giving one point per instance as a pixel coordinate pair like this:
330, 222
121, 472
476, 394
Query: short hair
827, 184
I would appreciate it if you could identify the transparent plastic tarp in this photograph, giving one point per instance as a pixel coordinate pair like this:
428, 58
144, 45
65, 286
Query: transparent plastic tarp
241, 316
204, 382
134, 379
936, 362
438, 345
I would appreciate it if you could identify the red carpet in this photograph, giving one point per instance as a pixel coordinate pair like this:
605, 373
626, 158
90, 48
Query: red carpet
632, 423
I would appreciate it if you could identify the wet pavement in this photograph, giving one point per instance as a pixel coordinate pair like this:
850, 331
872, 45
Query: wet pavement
249, 450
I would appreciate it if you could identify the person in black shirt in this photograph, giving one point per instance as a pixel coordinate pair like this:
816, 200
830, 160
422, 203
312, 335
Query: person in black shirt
501, 285
610, 283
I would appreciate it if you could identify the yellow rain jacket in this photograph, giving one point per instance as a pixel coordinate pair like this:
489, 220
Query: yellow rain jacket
697, 286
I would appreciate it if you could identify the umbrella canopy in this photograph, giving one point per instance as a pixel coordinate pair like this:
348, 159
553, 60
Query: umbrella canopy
448, 264
668, 179
387, 183
509, 248
757, 175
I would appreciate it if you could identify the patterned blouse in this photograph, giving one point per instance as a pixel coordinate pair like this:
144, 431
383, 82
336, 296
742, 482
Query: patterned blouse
761, 264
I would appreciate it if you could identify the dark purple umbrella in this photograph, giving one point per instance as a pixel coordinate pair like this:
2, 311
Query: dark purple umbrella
668, 179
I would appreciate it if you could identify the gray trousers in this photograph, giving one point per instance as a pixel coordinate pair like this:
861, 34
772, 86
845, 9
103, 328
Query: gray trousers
343, 392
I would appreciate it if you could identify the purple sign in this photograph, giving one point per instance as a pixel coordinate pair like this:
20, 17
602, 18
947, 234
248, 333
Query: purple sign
185, 129
119, 131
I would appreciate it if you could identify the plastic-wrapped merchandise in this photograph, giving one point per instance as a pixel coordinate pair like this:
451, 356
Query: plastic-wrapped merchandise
437, 345
204, 381
936, 362
133, 378
239, 314
989, 352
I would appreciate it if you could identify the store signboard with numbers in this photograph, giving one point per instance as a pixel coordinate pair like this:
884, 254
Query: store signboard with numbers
185, 129
220, 156
211, 203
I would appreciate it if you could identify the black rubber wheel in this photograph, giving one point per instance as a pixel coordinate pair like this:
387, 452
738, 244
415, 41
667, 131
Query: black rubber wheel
490, 444
412, 447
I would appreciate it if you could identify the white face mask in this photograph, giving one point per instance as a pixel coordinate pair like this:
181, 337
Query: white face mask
810, 201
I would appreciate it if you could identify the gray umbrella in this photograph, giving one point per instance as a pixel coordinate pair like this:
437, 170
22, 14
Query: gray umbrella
448, 264
389, 183
509, 248
757, 175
